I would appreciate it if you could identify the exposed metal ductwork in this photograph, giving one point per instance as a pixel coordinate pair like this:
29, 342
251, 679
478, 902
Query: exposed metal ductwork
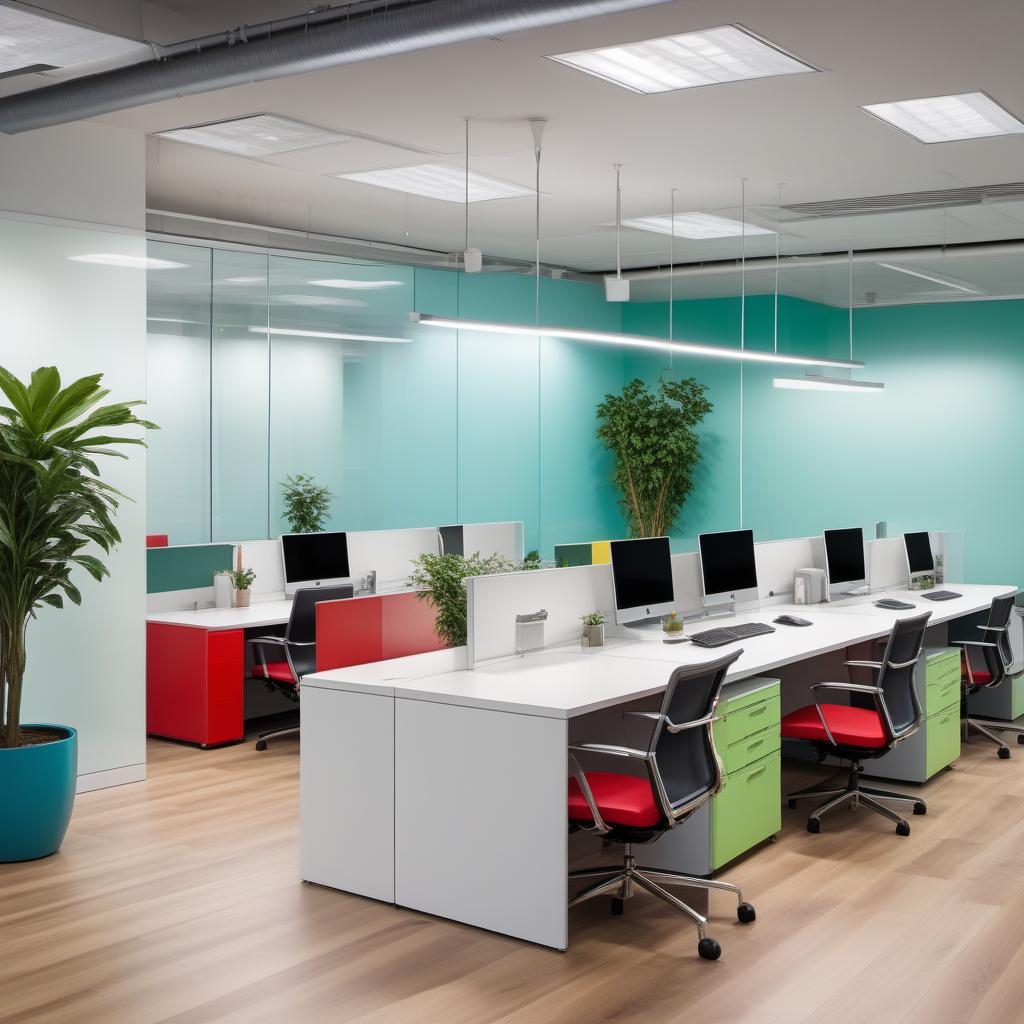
350, 38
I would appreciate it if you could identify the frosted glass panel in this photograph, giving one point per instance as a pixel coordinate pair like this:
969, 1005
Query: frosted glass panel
178, 383
240, 408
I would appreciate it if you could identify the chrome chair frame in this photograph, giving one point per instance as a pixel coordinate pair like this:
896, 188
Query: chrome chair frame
622, 882
258, 643
836, 794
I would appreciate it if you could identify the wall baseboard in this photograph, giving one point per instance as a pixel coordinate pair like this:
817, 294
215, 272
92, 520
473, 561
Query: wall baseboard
111, 777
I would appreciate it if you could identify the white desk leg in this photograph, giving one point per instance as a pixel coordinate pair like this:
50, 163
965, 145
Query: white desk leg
347, 802
480, 818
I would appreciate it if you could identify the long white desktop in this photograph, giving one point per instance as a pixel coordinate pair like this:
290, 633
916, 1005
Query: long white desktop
442, 788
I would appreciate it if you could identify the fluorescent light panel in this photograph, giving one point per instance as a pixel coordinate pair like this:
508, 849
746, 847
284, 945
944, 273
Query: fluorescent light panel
695, 225
439, 181
968, 115
332, 335
27, 39
629, 341
256, 135
815, 382
337, 282
729, 53
946, 282
118, 259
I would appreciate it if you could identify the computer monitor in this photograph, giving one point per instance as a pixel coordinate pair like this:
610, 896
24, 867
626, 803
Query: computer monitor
642, 579
728, 572
845, 567
920, 561
314, 560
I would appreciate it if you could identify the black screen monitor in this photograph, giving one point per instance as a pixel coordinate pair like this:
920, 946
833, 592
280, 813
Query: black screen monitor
920, 560
642, 579
314, 560
844, 560
728, 571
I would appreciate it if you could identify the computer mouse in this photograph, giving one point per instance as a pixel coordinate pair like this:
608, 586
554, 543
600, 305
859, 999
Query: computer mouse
792, 620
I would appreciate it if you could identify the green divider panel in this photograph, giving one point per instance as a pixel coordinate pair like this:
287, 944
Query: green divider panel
573, 554
185, 568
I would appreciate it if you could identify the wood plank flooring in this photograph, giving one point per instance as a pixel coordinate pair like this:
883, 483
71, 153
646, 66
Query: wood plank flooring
178, 900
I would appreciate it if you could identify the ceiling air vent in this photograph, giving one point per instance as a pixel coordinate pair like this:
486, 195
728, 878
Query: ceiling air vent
970, 196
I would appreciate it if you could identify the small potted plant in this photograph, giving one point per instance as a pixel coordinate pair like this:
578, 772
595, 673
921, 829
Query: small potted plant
241, 580
673, 629
593, 629
307, 504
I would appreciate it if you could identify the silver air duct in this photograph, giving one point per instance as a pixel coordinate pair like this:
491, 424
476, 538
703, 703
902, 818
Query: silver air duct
325, 44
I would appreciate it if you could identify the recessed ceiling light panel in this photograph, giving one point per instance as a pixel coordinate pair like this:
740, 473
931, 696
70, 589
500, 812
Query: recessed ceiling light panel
715, 55
439, 181
969, 115
695, 225
27, 39
256, 135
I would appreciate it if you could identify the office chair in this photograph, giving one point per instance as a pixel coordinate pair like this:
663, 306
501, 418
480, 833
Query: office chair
298, 645
682, 772
983, 663
857, 733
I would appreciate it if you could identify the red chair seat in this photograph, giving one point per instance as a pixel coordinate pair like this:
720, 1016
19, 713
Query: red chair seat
280, 671
854, 727
980, 678
621, 799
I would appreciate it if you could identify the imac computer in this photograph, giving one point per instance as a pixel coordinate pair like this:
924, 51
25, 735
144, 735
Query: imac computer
314, 560
920, 561
641, 579
728, 573
845, 567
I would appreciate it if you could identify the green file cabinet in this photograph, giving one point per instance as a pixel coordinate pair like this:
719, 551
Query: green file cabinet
937, 743
747, 810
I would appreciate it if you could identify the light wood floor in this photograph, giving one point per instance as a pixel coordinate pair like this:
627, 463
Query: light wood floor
177, 900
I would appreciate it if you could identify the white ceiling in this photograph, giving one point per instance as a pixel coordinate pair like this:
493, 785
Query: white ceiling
805, 130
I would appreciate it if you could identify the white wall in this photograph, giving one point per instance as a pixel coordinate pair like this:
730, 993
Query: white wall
86, 666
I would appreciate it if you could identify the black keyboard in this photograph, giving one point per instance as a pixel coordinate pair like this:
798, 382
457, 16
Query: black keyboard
940, 595
893, 605
730, 634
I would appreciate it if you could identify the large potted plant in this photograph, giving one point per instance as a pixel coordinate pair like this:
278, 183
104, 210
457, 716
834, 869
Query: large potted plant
656, 446
53, 508
307, 504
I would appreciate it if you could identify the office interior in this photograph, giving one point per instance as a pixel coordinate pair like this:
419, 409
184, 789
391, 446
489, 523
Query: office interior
760, 762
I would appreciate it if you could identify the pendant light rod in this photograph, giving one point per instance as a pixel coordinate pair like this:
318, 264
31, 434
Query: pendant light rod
618, 221
627, 340
671, 258
743, 262
778, 235
850, 304
537, 125
465, 248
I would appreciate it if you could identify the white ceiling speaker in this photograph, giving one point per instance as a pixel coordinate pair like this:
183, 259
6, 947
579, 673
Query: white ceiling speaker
616, 289
472, 261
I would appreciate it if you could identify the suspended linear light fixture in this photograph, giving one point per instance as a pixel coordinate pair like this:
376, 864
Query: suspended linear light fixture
816, 382
616, 289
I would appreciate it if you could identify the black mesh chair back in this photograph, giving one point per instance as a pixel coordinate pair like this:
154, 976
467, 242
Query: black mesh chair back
997, 631
302, 622
684, 764
896, 677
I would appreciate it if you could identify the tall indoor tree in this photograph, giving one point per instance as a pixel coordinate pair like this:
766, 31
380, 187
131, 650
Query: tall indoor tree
653, 438
53, 507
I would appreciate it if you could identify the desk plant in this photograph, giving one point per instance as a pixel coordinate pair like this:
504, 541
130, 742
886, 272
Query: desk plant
54, 508
593, 629
307, 504
653, 438
440, 580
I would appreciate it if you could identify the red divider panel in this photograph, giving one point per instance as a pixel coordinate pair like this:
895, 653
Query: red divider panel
360, 630
156, 540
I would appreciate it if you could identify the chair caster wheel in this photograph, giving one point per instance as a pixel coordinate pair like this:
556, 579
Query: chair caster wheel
709, 949
920, 807
1004, 752
903, 829
261, 744
814, 825
618, 907
791, 804
1020, 738
745, 913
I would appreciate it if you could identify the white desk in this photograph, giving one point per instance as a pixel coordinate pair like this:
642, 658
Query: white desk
444, 790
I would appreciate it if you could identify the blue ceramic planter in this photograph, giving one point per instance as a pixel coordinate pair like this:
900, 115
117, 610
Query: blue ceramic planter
37, 793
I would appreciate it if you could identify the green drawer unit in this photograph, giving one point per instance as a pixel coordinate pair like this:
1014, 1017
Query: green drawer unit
744, 713
942, 742
747, 811
942, 679
749, 749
